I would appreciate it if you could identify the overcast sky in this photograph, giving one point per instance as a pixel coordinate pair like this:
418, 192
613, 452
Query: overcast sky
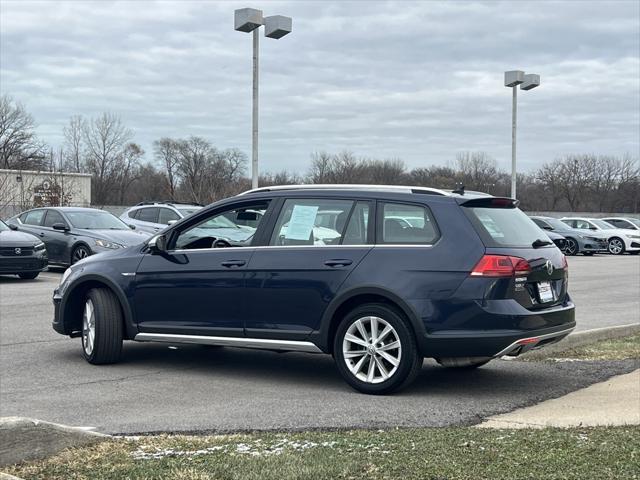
419, 81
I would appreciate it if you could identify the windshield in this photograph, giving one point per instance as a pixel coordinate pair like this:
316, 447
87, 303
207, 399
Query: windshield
555, 223
602, 224
95, 220
3, 226
219, 221
635, 221
188, 211
505, 227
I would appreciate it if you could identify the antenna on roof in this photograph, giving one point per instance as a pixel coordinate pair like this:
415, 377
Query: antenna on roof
459, 190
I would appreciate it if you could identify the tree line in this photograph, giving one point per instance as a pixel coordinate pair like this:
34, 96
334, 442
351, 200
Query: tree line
194, 170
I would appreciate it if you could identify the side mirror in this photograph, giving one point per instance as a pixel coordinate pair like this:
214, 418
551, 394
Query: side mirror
60, 226
547, 227
592, 228
12, 226
171, 222
132, 227
158, 244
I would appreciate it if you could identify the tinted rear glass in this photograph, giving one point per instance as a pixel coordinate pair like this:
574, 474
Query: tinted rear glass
504, 227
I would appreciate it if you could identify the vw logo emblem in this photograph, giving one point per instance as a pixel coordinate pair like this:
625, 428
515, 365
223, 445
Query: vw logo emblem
549, 266
18, 251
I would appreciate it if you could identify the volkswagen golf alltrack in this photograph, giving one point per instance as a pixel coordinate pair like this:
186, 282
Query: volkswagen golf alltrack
378, 277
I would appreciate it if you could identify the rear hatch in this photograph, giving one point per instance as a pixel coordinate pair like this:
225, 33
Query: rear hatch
523, 262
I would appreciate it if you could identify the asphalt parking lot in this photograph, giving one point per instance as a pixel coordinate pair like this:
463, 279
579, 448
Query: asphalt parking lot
193, 388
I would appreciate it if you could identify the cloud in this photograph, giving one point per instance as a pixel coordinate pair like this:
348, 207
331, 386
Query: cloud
415, 80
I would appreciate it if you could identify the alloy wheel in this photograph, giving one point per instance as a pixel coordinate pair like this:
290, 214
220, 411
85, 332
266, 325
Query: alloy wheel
616, 246
571, 247
88, 327
371, 349
78, 254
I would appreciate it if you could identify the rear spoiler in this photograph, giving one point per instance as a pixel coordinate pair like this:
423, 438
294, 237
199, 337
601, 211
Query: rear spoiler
490, 202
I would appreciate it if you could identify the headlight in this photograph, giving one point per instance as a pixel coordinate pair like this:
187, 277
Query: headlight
105, 244
65, 275
39, 247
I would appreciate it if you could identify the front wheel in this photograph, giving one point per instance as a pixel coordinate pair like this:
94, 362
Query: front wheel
28, 276
375, 350
80, 252
102, 327
616, 246
571, 247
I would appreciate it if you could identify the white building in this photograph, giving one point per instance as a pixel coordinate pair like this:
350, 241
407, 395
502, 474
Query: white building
24, 189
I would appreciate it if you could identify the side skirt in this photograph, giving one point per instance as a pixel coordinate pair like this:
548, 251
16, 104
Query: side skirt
261, 343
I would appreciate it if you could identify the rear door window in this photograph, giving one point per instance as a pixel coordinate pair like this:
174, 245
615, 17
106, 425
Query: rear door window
406, 224
33, 217
148, 215
311, 222
504, 227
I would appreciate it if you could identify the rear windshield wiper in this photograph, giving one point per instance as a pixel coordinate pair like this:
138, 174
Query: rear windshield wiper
541, 243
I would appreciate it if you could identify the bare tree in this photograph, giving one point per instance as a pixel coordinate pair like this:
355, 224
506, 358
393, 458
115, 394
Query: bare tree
129, 169
167, 152
19, 146
74, 143
105, 138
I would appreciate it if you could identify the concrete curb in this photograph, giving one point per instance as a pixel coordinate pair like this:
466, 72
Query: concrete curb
23, 439
578, 339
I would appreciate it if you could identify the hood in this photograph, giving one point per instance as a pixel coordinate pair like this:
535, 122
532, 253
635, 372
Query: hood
11, 238
619, 232
127, 238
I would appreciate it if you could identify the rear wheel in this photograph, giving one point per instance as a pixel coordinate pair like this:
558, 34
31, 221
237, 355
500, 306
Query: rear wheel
616, 246
571, 247
375, 350
102, 327
28, 276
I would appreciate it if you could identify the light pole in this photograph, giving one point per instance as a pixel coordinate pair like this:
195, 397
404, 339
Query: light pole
276, 26
527, 82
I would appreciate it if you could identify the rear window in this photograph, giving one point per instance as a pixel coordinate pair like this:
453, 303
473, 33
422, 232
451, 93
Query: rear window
504, 227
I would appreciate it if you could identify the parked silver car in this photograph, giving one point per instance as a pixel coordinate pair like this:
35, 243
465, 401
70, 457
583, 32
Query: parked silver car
154, 216
577, 241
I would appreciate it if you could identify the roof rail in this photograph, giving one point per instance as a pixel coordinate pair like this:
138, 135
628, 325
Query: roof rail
168, 202
375, 188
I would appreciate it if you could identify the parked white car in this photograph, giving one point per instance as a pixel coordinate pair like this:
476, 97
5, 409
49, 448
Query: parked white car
152, 217
626, 223
619, 240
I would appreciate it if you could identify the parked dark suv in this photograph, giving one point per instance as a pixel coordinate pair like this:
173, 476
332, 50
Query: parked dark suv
392, 275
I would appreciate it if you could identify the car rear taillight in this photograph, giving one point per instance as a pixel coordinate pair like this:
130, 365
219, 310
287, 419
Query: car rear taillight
501, 266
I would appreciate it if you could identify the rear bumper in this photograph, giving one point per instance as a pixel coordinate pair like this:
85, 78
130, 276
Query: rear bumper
535, 329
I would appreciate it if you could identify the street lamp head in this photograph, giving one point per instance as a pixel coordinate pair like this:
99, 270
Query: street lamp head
513, 78
531, 80
277, 26
247, 19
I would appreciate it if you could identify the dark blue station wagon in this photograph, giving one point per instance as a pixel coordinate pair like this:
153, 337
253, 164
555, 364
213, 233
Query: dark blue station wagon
379, 277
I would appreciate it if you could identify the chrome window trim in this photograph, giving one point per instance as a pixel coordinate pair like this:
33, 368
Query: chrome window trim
243, 342
261, 247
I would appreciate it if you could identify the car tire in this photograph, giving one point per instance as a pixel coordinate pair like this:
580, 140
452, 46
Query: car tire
616, 246
571, 248
28, 276
80, 252
375, 369
102, 327
465, 363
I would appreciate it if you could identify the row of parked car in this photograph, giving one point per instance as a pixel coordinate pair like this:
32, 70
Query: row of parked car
62, 236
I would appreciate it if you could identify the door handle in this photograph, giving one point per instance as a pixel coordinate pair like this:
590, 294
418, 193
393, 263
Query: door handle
233, 263
338, 263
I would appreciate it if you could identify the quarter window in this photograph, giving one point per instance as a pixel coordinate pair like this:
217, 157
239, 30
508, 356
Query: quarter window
407, 224
311, 222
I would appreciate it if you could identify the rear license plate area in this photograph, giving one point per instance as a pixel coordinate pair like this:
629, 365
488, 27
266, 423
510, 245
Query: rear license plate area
545, 292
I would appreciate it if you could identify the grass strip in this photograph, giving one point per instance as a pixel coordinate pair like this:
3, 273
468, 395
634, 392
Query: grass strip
615, 349
457, 453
